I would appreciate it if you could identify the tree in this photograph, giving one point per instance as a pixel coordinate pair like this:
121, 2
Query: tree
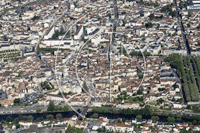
141, 14
65, 108
139, 92
149, 25
17, 100
194, 122
38, 110
95, 115
59, 116
51, 106
60, 109
189, 14
160, 101
151, 16
139, 117
56, 109
9, 119
140, 76
79, 110
120, 121
170, 119
30, 117
155, 118
188, 107
50, 117
158, 26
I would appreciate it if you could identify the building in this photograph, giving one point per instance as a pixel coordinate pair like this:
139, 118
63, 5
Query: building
50, 33
119, 127
6, 102
78, 33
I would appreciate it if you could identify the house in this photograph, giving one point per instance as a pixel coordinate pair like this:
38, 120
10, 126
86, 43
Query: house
6, 102
13, 126
46, 121
4, 125
128, 105
196, 128
134, 120
154, 49
119, 127
25, 124
146, 129
176, 105
81, 124
102, 121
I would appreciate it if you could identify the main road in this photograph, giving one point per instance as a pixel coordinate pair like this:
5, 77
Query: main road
32, 109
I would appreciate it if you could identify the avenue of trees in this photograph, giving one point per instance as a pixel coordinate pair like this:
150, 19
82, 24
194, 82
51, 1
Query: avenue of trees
186, 74
146, 112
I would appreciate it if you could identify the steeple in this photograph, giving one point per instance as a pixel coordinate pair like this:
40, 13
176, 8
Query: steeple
72, 41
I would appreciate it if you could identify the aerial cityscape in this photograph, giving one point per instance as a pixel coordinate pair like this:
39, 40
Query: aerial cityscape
99, 66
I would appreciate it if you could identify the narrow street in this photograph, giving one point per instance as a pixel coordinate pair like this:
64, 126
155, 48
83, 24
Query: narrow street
179, 21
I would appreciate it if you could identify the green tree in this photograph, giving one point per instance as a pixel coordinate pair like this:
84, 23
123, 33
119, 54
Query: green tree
50, 117
120, 121
56, 109
139, 117
170, 119
151, 16
38, 110
30, 117
155, 118
79, 110
95, 115
148, 25
160, 101
139, 92
60, 109
188, 107
141, 14
59, 116
194, 122
17, 100
65, 108
51, 106
9, 119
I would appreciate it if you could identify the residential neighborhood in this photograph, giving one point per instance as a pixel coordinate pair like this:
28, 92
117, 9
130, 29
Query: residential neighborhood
99, 66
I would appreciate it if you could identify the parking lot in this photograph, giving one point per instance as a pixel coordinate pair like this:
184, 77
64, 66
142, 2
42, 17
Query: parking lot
30, 98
